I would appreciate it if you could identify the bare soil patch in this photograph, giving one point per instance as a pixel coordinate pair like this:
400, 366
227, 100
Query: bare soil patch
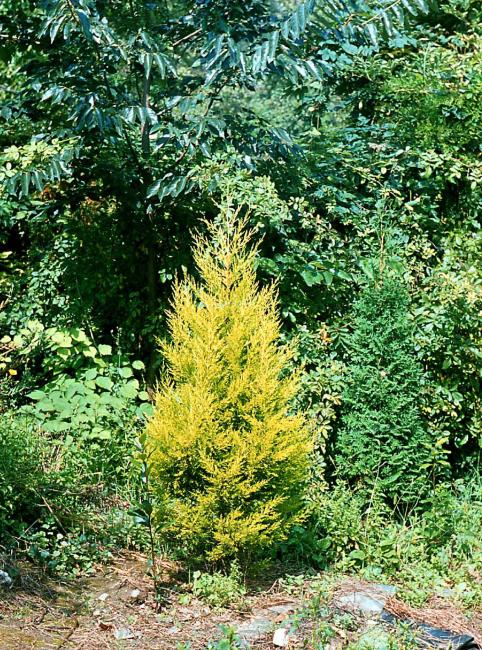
116, 608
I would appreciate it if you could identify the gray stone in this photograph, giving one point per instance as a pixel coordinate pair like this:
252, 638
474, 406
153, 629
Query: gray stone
282, 609
255, 628
5, 579
361, 602
390, 590
369, 599
124, 633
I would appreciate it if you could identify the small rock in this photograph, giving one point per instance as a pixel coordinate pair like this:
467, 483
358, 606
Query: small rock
390, 590
5, 579
103, 597
124, 633
134, 594
280, 637
282, 609
358, 601
173, 630
255, 628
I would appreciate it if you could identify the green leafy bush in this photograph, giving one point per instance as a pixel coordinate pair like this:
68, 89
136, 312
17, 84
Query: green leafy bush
321, 385
66, 553
75, 545
54, 507
217, 589
70, 472
449, 342
23, 452
92, 400
382, 442
437, 550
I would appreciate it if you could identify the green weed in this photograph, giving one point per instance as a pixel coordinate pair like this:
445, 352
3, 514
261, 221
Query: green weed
219, 590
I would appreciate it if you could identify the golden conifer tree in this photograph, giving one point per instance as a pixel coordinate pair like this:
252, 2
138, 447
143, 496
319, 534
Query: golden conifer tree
228, 458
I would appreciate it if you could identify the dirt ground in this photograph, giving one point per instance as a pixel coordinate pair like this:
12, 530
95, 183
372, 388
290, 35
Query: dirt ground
116, 609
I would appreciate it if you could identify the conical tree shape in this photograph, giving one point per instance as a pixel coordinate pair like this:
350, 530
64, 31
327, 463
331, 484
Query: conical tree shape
382, 441
228, 458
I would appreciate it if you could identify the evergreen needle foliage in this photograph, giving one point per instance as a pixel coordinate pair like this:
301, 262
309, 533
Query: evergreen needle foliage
228, 457
382, 441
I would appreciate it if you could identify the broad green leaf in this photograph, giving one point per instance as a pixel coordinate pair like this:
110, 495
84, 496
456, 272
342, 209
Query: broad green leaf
145, 410
160, 62
62, 339
54, 28
85, 23
45, 405
148, 58
129, 390
104, 382
357, 555
37, 395
56, 426
328, 277
25, 182
311, 277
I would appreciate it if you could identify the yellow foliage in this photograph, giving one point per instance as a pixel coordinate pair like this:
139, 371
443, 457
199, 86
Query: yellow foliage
228, 458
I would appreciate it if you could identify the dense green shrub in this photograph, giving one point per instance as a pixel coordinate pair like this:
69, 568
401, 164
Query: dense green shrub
56, 503
448, 317
382, 442
23, 452
69, 475
90, 398
228, 458
437, 549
